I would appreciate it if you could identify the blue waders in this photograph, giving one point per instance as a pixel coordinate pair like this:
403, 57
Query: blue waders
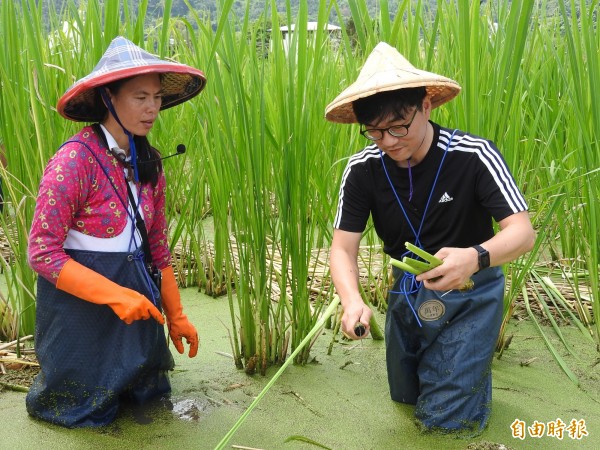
444, 366
90, 359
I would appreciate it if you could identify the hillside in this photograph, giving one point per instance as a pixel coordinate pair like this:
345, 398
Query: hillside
256, 8
210, 8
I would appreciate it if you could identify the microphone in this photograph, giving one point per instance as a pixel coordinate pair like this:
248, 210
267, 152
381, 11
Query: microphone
180, 151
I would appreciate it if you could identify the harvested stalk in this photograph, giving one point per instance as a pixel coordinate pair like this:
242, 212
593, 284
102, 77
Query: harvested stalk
417, 264
405, 267
423, 254
417, 267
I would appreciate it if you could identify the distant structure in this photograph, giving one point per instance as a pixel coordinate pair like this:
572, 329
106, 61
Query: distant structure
311, 27
67, 37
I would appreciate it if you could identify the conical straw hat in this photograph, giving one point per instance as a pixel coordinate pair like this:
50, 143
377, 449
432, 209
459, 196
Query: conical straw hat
124, 59
387, 70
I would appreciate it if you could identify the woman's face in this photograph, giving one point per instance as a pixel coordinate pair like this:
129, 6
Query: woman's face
137, 104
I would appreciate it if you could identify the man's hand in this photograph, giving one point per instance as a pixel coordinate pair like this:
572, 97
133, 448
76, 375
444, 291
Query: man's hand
356, 313
455, 272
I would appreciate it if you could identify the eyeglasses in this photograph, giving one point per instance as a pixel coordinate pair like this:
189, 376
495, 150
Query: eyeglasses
375, 134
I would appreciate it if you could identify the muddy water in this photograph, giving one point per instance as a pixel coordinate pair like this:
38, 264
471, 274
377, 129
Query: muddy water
340, 401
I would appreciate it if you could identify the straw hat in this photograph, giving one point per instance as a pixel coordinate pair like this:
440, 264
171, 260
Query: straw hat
387, 70
124, 59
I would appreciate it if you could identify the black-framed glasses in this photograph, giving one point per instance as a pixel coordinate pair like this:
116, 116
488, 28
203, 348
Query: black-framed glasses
375, 134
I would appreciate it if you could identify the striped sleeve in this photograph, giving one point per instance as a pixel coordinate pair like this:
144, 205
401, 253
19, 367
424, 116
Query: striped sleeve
353, 207
497, 176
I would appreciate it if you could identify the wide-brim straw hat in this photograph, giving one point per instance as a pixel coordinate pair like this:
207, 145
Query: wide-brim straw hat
124, 59
387, 70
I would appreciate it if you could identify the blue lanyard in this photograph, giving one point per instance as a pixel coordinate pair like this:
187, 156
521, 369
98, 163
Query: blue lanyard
132, 149
408, 283
137, 255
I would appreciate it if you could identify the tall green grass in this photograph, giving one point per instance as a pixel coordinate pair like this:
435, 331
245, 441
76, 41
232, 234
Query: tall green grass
255, 194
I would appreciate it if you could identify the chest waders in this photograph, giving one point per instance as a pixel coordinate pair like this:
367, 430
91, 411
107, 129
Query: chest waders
439, 347
90, 359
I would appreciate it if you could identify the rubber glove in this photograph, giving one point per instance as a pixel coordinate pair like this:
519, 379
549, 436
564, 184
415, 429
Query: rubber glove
129, 305
177, 322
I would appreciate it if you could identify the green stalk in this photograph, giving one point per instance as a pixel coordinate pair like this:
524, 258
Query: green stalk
561, 362
405, 267
328, 312
583, 48
433, 261
562, 305
421, 266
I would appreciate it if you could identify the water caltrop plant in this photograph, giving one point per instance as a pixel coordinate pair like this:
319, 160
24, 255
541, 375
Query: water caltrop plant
251, 203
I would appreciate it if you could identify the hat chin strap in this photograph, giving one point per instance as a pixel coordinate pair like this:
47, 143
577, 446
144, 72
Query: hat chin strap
132, 150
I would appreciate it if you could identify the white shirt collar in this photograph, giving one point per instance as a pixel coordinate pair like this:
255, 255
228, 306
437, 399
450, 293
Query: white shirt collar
112, 143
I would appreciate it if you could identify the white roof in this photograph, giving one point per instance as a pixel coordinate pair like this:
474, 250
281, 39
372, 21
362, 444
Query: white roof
310, 26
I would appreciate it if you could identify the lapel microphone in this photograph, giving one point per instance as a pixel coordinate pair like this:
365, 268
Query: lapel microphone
180, 151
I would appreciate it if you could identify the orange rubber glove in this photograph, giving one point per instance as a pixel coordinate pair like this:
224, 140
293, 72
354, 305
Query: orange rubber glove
129, 305
178, 323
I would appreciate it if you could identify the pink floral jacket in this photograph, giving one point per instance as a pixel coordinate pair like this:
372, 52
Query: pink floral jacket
75, 193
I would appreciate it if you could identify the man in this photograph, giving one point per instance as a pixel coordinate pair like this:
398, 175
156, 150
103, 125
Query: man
439, 189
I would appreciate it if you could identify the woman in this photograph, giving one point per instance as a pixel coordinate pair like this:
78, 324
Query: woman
99, 244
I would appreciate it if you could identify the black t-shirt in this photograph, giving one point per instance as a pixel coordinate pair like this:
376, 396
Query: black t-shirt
473, 186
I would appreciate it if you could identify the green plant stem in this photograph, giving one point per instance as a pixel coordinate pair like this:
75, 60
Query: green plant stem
330, 309
557, 357
423, 254
403, 266
419, 265
14, 387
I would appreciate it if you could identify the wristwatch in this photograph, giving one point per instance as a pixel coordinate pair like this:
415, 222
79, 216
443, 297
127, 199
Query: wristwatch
483, 257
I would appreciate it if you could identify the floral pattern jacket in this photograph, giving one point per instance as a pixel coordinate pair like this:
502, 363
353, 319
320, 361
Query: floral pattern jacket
75, 193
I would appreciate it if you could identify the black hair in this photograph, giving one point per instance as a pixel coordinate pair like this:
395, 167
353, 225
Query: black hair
148, 157
391, 105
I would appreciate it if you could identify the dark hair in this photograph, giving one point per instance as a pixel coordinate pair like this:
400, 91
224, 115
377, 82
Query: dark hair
148, 157
388, 104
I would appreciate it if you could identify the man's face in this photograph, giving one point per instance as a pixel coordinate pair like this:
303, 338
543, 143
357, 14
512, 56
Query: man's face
413, 144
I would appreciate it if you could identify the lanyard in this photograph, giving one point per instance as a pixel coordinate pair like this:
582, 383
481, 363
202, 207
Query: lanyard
133, 212
408, 283
145, 256
132, 149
